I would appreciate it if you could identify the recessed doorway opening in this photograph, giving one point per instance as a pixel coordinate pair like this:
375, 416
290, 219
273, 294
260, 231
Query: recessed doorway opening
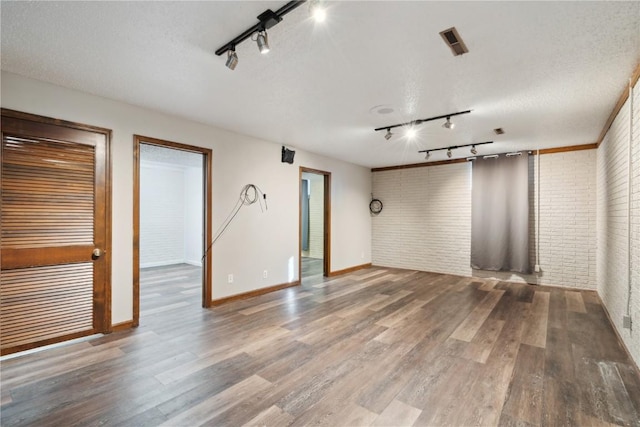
172, 223
315, 225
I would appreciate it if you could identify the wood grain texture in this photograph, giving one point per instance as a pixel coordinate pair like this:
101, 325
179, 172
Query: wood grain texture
55, 210
207, 166
374, 347
326, 242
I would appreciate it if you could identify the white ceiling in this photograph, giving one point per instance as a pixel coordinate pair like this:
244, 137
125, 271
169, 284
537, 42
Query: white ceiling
549, 73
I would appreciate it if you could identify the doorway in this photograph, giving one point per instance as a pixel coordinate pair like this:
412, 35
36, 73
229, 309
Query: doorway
55, 283
172, 224
315, 223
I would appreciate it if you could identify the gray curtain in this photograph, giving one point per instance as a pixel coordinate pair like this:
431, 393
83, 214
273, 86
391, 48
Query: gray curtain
500, 214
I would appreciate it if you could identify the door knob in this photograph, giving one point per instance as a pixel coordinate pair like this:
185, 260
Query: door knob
96, 253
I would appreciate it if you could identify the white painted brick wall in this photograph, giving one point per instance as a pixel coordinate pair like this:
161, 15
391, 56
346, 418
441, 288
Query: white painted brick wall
161, 216
568, 219
612, 204
316, 217
426, 220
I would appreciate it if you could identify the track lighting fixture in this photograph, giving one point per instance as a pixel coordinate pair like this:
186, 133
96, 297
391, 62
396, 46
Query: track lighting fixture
388, 135
232, 59
263, 42
267, 19
317, 10
448, 124
421, 121
474, 150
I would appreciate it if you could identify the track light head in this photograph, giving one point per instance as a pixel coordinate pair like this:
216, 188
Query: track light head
448, 124
263, 42
449, 153
388, 135
427, 155
474, 150
232, 59
317, 10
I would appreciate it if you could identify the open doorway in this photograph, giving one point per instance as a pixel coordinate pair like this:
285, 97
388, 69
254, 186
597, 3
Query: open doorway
172, 223
315, 224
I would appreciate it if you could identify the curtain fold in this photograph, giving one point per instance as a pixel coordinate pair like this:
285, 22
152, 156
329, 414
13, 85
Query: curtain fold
500, 214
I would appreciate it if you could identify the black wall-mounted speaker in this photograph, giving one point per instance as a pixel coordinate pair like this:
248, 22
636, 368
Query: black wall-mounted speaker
287, 155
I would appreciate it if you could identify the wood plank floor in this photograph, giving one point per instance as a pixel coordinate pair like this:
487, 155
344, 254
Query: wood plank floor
311, 266
380, 347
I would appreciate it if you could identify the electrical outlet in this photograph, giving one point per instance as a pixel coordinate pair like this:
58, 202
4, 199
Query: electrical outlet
230, 278
626, 322
265, 274
362, 255
536, 268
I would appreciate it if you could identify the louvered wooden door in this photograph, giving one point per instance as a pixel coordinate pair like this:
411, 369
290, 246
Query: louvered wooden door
54, 231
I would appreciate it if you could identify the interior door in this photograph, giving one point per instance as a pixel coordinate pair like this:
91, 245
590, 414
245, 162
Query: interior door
54, 231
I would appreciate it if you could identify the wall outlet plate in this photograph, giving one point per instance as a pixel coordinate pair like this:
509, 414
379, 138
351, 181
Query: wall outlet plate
265, 274
626, 322
536, 268
230, 278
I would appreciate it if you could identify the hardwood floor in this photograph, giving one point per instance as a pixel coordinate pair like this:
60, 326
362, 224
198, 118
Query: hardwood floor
376, 347
164, 289
311, 267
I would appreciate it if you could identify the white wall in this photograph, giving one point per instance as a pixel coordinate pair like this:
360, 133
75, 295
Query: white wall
316, 214
613, 226
162, 215
255, 241
193, 216
170, 214
426, 220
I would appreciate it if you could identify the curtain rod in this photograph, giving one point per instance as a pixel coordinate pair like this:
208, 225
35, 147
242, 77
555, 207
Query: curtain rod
495, 156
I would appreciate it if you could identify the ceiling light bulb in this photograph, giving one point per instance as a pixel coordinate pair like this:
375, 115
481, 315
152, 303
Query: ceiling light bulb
232, 59
411, 132
426, 156
263, 42
388, 135
474, 150
317, 10
449, 153
448, 124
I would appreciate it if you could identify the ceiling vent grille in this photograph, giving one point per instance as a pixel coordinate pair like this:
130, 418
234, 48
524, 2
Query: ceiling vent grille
454, 41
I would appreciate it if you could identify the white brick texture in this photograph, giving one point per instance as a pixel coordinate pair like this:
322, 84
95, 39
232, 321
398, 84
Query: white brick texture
612, 208
161, 216
426, 221
316, 217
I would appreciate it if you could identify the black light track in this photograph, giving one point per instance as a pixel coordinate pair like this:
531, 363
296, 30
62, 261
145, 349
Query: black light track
420, 121
267, 19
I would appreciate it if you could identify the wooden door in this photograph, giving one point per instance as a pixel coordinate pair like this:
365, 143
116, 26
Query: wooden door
54, 231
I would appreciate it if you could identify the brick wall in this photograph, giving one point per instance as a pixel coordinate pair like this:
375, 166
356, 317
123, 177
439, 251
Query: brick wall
612, 203
426, 220
161, 215
316, 216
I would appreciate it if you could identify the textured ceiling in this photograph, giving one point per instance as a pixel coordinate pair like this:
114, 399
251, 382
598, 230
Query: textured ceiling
549, 73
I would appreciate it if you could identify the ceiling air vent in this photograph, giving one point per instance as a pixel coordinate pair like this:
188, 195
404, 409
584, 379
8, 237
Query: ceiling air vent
454, 41
498, 131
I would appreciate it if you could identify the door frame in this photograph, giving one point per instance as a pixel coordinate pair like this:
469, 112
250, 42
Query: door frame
207, 223
327, 220
102, 297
